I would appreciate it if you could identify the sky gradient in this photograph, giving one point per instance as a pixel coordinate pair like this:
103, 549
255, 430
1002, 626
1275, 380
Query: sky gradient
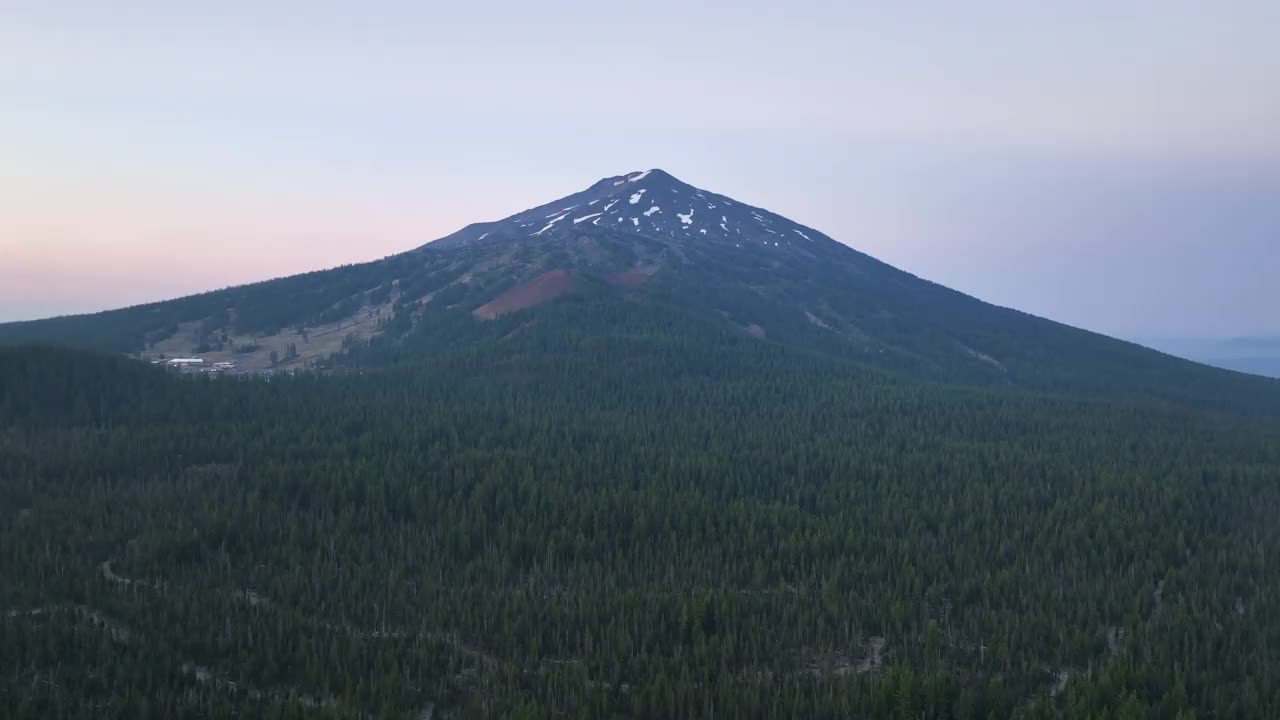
1113, 165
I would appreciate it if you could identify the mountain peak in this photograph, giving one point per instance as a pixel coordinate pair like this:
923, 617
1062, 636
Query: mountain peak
654, 175
650, 203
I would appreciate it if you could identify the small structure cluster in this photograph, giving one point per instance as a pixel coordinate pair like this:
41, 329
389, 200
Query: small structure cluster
195, 365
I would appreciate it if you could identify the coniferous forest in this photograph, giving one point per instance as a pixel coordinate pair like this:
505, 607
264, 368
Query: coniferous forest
647, 523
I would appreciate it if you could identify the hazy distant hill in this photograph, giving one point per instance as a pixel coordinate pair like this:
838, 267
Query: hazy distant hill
1257, 355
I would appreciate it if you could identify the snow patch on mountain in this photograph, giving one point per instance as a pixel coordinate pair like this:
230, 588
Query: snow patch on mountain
634, 196
552, 223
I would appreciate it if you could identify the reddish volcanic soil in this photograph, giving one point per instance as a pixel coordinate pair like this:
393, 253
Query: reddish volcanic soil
547, 286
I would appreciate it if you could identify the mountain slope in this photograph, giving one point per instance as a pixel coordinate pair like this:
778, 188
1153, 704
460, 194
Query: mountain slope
629, 249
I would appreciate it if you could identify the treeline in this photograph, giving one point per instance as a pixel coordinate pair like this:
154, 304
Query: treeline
669, 520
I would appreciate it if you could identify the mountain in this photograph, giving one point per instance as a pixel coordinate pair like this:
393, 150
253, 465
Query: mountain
628, 250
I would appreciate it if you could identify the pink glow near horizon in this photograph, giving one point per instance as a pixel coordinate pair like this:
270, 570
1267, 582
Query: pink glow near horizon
111, 257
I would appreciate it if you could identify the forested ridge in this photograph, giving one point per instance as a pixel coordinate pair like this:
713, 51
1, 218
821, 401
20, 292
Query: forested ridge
555, 520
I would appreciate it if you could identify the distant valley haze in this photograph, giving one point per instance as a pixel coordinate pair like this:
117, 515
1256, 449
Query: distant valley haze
1259, 355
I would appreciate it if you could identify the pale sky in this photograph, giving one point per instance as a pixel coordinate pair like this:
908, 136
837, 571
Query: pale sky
1113, 165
